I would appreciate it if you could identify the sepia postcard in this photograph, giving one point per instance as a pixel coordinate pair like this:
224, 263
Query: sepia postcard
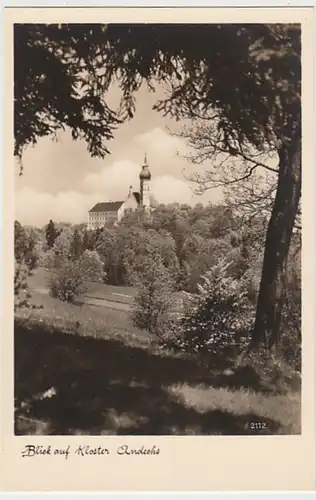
158, 326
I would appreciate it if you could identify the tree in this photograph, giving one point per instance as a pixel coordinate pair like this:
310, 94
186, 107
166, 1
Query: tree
69, 277
76, 246
62, 244
20, 241
249, 76
108, 246
198, 255
217, 320
26, 259
136, 245
247, 178
55, 85
51, 234
153, 301
86, 243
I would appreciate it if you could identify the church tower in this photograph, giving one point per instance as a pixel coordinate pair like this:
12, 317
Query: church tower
144, 178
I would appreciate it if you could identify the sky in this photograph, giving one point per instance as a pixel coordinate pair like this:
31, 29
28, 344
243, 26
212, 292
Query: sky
62, 182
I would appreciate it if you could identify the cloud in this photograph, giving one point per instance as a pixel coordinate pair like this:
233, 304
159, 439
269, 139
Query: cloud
35, 208
32, 207
64, 187
158, 142
168, 189
113, 181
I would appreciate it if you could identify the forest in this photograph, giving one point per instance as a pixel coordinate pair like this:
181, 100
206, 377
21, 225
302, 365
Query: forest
202, 254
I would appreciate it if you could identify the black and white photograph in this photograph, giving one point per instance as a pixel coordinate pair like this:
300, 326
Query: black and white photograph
157, 229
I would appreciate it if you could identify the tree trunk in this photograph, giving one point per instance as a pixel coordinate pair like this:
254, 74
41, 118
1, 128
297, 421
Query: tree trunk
278, 239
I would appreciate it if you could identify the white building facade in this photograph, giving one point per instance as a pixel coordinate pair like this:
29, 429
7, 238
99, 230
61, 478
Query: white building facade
113, 211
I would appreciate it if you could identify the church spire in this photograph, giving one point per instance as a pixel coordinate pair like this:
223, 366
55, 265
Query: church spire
144, 178
145, 172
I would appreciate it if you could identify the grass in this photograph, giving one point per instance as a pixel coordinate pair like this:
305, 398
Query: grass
280, 413
83, 319
99, 291
87, 370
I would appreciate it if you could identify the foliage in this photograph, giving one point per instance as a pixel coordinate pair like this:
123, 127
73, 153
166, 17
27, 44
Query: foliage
154, 298
87, 244
245, 78
258, 108
62, 73
188, 241
248, 177
25, 241
108, 245
56, 85
290, 342
70, 266
51, 234
26, 259
21, 292
69, 277
199, 254
123, 250
275, 372
76, 245
62, 244
150, 244
91, 266
217, 321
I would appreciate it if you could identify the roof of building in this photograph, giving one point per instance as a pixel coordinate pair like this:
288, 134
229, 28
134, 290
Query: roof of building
137, 197
107, 206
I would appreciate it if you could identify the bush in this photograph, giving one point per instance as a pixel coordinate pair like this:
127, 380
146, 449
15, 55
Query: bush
68, 279
21, 290
26, 260
217, 321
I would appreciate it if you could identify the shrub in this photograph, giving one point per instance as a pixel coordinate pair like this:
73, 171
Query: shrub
66, 281
217, 320
26, 260
21, 290
69, 278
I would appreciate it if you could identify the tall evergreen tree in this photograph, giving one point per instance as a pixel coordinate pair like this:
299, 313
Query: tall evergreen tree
51, 234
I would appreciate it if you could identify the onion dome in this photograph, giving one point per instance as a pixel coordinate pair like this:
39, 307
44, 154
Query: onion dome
145, 172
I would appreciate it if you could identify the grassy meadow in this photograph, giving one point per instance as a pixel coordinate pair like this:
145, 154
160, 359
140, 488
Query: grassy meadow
86, 369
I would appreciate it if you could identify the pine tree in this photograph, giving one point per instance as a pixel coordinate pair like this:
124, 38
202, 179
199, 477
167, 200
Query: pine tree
51, 234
